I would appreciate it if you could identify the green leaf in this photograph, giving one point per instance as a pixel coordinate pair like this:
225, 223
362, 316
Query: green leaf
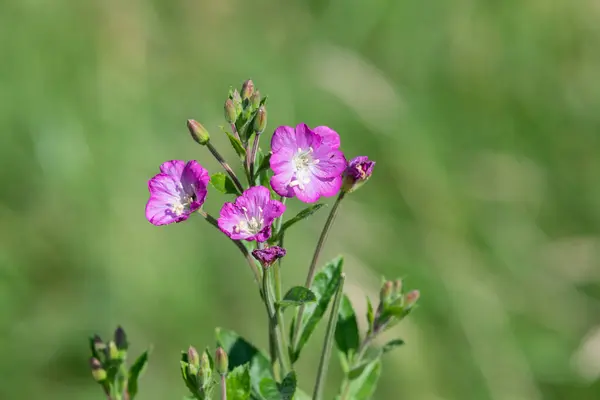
391, 345
287, 388
347, 337
223, 183
300, 395
363, 386
324, 287
241, 352
136, 370
370, 314
263, 162
307, 212
269, 390
297, 296
238, 383
237, 145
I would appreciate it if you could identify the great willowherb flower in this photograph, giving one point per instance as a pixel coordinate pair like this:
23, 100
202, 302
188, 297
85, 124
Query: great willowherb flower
268, 256
251, 215
307, 162
359, 170
175, 193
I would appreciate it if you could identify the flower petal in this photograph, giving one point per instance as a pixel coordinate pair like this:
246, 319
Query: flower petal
281, 184
306, 138
230, 218
163, 185
263, 235
255, 200
329, 137
194, 180
283, 137
281, 161
317, 188
173, 168
331, 163
274, 209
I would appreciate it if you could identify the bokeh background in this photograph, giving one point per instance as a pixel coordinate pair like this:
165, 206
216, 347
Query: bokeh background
483, 117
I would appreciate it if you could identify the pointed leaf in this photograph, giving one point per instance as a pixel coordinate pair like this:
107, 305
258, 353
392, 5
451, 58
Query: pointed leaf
370, 314
241, 352
238, 383
307, 212
347, 337
269, 390
287, 388
237, 145
363, 386
324, 287
136, 370
223, 183
300, 395
263, 162
297, 296
391, 345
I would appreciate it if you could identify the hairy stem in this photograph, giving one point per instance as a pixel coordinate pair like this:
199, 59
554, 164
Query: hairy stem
226, 167
313, 265
328, 343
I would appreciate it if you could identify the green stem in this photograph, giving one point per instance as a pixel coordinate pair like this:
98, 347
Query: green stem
223, 387
313, 265
253, 155
235, 132
328, 343
226, 167
356, 361
280, 350
257, 275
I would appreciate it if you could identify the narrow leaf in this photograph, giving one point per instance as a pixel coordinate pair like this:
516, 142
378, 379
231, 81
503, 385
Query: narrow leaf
236, 143
238, 383
297, 296
363, 387
391, 345
241, 352
263, 162
307, 212
370, 314
223, 183
324, 287
300, 395
347, 337
135, 372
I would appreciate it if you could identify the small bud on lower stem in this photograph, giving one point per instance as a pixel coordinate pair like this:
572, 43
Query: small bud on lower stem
198, 132
221, 361
260, 121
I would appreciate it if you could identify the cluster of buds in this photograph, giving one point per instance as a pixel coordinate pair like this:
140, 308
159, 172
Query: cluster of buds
197, 371
245, 111
108, 364
393, 306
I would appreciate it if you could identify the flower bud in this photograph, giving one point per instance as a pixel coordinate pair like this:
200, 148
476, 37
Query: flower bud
247, 89
397, 287
237, 102
121, 338
411, 298
230, 112
205, 370
268, 256
359, 171
113, 351
99, 345
198, 132
221, 361
385, 292
255, 100
193, 357
98, 372
260, 120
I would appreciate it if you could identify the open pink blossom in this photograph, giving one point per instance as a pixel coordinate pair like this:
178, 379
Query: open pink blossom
251, 215
307, 163
175, 193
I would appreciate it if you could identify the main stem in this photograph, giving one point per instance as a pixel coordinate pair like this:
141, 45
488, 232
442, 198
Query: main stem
277, 283
223, 387
356, 361
271, 310
257, 275
226, 167
313, 264
328, 343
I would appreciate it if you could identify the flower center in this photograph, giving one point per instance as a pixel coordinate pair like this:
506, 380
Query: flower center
250, 225
302, 162
183, 204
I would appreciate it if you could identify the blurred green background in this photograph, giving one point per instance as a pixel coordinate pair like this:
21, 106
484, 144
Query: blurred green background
483, 117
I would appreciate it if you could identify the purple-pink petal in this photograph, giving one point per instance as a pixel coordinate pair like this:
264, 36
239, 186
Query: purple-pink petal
329, 137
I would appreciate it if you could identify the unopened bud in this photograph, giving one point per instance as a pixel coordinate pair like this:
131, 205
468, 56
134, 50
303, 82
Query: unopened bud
221, 361
411, 298
193, 357
198, 132
359, 171
397, 286
230, 111
237, 102
113, 351
255, 99
205, 370
121, 338
99, 345
260, 120
247, 89
98, 372
385, 292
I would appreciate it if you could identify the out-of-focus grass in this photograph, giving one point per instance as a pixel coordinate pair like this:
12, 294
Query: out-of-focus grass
482, 116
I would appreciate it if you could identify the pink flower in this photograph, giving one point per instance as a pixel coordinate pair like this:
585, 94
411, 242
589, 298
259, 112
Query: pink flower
307, 163
251, 215
175, 193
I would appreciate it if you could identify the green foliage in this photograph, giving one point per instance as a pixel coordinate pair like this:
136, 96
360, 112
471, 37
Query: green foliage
324, 287
363, 385
136, 370
307, 212
238, 383
223, 183
347, 337
297, 296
